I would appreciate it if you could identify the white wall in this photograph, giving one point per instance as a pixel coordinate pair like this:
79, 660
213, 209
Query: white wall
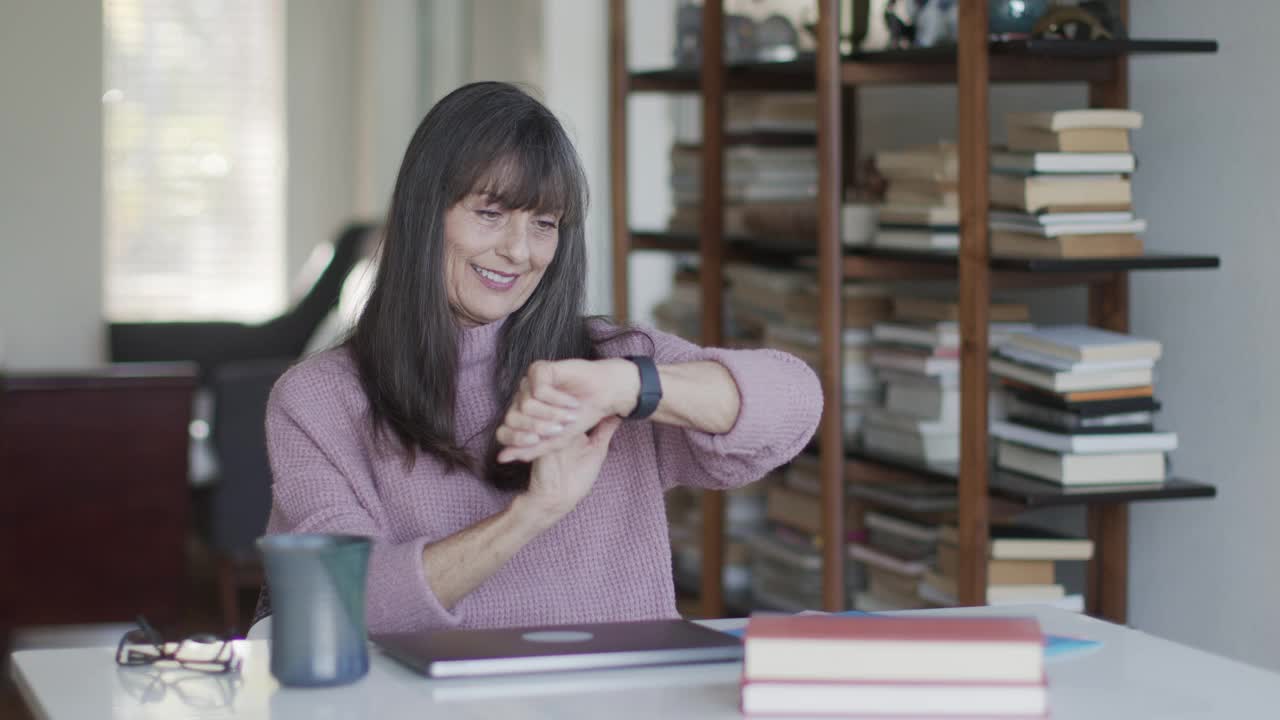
507, 42
574, 82
50, 183
388, 86
556, 49
1205, 572
650, 132
51, 219
321, 50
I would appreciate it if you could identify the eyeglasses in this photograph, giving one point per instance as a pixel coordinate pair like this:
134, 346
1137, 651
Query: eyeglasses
202, 690
204, 652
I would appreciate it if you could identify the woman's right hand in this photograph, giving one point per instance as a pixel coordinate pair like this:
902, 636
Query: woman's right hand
560, 479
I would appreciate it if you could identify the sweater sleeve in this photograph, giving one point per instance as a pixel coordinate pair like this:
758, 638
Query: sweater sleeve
781, 404
322, 482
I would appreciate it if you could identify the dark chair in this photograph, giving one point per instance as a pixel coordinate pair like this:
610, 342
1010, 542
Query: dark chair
238, 365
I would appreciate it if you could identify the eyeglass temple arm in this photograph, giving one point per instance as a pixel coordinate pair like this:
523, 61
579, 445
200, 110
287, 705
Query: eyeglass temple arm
152, 634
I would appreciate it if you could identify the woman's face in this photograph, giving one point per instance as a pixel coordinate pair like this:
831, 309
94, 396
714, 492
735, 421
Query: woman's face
494, 257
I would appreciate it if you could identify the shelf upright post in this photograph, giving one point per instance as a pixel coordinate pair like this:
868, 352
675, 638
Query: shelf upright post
975, 295
711, 273
830, 305
619, 86
1106, 591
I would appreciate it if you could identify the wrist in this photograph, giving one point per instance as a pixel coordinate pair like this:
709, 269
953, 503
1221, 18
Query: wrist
531, 515
626, 384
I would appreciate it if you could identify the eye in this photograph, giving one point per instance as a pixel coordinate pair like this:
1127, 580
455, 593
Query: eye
486, 214
548, 225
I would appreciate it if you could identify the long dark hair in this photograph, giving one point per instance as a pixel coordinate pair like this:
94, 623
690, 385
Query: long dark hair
485, 137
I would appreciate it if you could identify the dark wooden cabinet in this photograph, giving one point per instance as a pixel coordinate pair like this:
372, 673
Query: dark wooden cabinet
94, 496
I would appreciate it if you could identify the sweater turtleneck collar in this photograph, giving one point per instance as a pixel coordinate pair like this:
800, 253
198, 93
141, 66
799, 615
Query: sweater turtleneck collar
478, 345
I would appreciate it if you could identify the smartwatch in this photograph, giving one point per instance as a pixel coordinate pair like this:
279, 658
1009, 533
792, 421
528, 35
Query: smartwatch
650, 387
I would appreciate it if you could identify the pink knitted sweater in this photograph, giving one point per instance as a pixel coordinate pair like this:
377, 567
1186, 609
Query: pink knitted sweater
608, 560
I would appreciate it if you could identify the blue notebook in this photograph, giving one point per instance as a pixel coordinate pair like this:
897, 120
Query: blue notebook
1055, 646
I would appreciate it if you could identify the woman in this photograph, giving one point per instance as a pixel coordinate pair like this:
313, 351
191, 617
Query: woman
473, 423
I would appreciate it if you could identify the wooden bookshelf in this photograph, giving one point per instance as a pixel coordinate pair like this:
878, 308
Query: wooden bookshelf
972, 65
866, 263
1031, 493
1011, 61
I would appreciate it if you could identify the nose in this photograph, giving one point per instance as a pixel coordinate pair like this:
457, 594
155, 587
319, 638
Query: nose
514, 245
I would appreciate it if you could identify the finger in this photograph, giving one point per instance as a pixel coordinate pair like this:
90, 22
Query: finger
539, 410
542, 383
530, 453
551, 395
509, 437
524, 422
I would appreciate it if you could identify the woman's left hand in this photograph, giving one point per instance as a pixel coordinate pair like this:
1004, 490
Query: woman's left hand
560, 400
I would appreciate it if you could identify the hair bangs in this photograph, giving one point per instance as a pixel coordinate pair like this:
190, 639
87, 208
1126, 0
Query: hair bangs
531, 170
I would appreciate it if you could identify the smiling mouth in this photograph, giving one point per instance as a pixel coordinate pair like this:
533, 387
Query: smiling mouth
494, 277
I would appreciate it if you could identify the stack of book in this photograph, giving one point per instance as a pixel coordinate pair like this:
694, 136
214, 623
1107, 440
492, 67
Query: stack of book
757, 297
752, 174
917, 356
1062, 187
1082, 407
770, 164
786, 556
1021, 567
680, 312
744, 518
796, 333
897, 553
825, 665
922, 202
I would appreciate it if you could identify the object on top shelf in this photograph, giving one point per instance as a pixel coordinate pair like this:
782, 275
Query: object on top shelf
772, 38
1087, 20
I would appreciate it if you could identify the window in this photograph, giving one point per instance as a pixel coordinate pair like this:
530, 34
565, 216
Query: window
194, 159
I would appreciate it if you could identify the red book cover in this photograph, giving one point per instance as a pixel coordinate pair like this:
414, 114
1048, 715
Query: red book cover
904, 629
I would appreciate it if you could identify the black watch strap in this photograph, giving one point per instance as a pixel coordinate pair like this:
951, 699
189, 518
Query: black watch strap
650, 387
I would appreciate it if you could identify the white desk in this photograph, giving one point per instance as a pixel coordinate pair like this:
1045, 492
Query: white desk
1134, 675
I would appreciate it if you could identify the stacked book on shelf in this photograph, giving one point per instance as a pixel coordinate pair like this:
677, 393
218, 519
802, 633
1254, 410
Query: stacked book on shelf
757, 296
895, 556
744, 518
921, 210
1081, 408
1021, 567
877, 666
1061, 189
770, 166
917, 356
779, 309
796, 332
786, 554
679, 313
